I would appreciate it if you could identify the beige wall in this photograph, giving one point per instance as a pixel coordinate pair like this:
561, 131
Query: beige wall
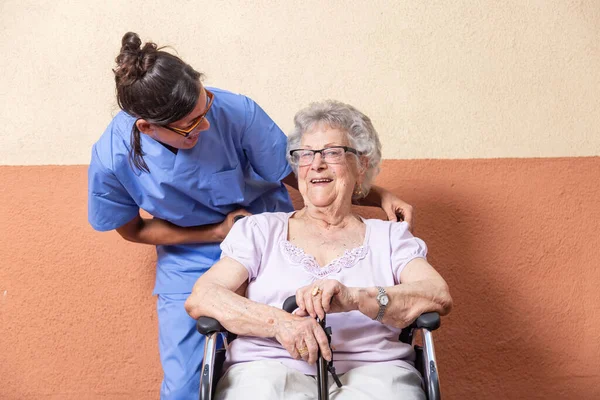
453, 79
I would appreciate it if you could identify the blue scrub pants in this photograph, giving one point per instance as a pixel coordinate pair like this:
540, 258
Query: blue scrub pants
181, 348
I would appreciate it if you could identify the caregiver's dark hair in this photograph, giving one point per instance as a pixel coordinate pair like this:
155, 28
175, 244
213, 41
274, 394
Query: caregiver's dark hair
154, 85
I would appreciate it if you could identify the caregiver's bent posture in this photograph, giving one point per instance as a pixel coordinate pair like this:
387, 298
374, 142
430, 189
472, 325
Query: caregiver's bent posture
370, 275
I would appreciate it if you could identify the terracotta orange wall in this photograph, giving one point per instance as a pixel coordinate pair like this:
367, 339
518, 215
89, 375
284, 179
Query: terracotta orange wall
517, 240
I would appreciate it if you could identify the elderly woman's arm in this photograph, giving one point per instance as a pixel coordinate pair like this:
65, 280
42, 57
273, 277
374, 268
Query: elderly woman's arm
214, 296
422, 290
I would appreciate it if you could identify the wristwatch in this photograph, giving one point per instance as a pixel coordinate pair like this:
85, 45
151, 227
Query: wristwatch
382, 300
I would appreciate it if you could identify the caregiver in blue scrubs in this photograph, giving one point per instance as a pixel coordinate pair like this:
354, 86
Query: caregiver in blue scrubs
193, 158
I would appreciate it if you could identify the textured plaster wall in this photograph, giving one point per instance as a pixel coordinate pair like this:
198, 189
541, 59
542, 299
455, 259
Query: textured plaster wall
516, 239
441, 79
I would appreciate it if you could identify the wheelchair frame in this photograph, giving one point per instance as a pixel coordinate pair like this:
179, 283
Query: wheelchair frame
425, 361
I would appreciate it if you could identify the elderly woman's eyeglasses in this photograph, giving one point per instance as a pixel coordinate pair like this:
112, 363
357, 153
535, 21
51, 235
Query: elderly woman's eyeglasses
197, 121
331, 155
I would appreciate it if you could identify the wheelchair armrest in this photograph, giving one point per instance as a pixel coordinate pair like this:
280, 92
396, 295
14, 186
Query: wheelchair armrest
430, 320
290, 304
208, 325
212, 360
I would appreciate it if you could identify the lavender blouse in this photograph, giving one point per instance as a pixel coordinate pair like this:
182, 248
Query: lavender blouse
277, 268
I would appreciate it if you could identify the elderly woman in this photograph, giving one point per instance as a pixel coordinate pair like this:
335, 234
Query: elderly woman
370, 275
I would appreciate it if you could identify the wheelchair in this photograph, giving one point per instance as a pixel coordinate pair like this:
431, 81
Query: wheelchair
425, 361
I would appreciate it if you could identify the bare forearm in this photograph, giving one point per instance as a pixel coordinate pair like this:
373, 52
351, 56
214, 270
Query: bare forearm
237, 314
291, 181
160, 232
406, 301
373, 199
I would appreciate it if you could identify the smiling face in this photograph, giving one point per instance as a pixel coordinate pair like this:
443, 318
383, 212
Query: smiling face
322, 184
176, 140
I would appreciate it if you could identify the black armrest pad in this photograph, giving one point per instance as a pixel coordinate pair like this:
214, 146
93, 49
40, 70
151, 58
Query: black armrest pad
430, 320
207, 325
289, 304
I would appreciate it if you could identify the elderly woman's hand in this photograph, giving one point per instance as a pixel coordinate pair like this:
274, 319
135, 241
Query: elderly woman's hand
325, 296
302, 337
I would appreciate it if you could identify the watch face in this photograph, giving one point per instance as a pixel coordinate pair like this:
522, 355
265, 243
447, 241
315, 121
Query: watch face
384, 300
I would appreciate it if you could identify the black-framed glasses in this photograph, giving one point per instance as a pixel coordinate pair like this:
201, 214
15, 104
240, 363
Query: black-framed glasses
197, 121
331, 155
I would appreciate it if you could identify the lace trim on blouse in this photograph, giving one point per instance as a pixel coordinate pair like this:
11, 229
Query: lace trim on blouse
296, 255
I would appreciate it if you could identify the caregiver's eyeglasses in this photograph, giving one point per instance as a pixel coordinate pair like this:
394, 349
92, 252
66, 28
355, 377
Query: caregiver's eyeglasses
331, 155
197, 121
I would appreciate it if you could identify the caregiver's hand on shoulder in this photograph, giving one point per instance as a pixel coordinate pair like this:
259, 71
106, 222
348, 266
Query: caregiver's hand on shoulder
326, 296
394, 207
302, 337
229, 220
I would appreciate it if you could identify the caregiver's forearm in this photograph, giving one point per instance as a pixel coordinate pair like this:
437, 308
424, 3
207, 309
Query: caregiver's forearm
160, 232
372, 199
291, 181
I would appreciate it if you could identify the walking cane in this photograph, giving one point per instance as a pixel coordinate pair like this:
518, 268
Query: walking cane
323, 366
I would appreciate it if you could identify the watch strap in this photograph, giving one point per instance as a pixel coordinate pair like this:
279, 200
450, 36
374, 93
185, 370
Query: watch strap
382, 307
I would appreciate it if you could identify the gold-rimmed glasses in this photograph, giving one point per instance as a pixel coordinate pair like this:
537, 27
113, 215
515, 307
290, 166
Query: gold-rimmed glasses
197, 121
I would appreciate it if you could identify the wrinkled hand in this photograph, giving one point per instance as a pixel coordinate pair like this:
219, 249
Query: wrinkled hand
325, 296
228, 222
393, 206
302, 338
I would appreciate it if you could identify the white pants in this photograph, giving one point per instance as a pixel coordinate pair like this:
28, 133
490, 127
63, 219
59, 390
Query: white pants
271, 380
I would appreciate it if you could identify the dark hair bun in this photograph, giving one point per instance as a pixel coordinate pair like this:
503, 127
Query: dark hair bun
133, 61
131, 42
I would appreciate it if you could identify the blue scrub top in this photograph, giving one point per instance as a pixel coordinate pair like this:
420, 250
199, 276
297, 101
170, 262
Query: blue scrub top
239, 162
